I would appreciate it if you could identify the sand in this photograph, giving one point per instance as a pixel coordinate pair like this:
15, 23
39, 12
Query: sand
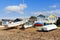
29, 34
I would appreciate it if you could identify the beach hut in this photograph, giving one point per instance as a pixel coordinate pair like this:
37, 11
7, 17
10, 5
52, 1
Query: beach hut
41, 18
52, 18
6, 21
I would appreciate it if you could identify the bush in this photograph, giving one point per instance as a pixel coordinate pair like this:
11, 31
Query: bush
58, 25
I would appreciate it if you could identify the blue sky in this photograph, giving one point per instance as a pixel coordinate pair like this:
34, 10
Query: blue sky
16, 8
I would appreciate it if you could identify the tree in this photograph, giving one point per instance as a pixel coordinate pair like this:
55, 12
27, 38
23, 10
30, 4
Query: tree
32, 18
58, 21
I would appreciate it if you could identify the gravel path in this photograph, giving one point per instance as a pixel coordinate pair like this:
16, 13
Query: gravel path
29, 34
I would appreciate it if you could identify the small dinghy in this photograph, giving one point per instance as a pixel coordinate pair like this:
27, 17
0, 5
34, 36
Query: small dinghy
38, 25
28, 24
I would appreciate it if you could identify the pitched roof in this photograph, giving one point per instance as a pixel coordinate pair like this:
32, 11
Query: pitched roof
18, 19
52, 15
41, 15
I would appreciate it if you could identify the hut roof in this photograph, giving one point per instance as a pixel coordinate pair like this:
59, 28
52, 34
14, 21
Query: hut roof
41, 15
18, 19
7, 20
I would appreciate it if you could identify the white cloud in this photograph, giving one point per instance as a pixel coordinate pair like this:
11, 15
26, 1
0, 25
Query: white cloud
54, 11
47, 12
57, 11
16, 8
53, 6
39, 12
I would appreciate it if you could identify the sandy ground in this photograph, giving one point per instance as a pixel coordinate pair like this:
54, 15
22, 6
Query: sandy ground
29, 34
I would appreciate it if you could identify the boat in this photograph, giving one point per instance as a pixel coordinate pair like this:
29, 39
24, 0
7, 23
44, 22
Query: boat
48, 27
38, 25
28, 24
14, 24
